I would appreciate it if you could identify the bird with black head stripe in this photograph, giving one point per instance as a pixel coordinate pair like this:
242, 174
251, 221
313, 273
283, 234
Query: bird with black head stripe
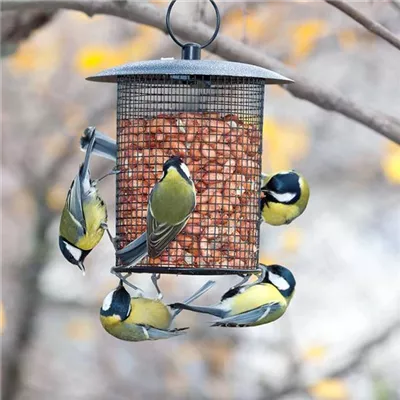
254, 304
284, 197
84, 216
171, 203
137, 319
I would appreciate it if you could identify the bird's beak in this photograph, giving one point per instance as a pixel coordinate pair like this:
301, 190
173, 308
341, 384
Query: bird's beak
121, 284
81, 267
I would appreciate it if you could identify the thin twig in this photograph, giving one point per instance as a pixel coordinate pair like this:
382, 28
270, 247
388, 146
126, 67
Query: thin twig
231, 49
366, 22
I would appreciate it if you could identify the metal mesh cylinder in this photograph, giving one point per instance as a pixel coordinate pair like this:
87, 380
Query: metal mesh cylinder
214, 123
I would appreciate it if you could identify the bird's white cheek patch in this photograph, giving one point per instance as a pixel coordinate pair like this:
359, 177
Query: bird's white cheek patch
185, 170
278, 281
76, 253
282, 197
107, 301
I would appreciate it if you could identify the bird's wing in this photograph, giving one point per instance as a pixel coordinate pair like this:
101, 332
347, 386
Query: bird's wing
249, 317
134, 251
74, 202
159, 236
155, 334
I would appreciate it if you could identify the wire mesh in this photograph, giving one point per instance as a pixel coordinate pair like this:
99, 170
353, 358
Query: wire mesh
215, 125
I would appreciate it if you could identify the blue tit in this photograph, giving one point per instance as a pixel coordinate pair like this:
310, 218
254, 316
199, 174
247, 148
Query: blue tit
138, 318
258, 303
104, 146
284, 197
84, 217
171, 202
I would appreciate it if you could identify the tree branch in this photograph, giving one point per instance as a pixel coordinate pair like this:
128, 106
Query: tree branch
372, 26
357, 357
231, 49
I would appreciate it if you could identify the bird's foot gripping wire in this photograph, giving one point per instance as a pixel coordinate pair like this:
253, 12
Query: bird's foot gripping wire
114, 171
125, 280
154, 279
242, 282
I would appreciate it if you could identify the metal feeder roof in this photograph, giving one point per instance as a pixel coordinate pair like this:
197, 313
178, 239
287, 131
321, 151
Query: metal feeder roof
171, 67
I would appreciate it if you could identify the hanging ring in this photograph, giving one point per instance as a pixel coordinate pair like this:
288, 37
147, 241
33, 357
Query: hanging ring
171, 33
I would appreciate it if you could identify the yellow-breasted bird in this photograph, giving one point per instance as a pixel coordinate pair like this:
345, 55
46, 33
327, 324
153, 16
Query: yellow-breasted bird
284, 197
137, 319
171, 202
258, 303
84, 217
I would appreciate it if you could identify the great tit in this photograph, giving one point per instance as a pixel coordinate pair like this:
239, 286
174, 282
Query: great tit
138, 318
104, 146
84, 217
284, 197
171, 202
258, 303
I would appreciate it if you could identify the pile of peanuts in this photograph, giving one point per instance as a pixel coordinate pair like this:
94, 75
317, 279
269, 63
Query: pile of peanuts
224, 158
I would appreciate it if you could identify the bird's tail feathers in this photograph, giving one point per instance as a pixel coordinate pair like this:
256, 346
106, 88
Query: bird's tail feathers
200, 309
134, 252
86, 162
156, 334
205, 288
104, 146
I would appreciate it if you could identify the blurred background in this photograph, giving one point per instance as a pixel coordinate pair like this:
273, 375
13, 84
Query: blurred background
340, 337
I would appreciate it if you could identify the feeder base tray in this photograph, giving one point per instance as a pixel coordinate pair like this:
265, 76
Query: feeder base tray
185, 271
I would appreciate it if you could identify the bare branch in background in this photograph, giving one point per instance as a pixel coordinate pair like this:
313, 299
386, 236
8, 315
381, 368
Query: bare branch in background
355, 359
396, 4
30, 268
19, 25
225, 47
366, 22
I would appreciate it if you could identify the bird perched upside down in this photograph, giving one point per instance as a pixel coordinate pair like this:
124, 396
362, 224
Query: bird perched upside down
284, 197
84, 217
138, 318
254, 304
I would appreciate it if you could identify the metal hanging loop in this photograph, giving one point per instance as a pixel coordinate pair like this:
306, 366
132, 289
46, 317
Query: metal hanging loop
192, 50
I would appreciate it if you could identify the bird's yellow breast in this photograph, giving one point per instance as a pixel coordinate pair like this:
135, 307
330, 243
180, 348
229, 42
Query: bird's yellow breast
95, 213
173, 199
280, 214
149, 312
256, 296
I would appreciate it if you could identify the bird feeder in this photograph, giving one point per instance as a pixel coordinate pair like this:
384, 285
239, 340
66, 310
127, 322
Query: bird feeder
210, 113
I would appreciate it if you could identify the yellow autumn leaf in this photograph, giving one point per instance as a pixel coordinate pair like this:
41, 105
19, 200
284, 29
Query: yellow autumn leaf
291, 239
94, 58
305, 36
79, 329
2, 318
315, 353
329, 389
258, 24
283, 144
33, 56
390, 163
55, 197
